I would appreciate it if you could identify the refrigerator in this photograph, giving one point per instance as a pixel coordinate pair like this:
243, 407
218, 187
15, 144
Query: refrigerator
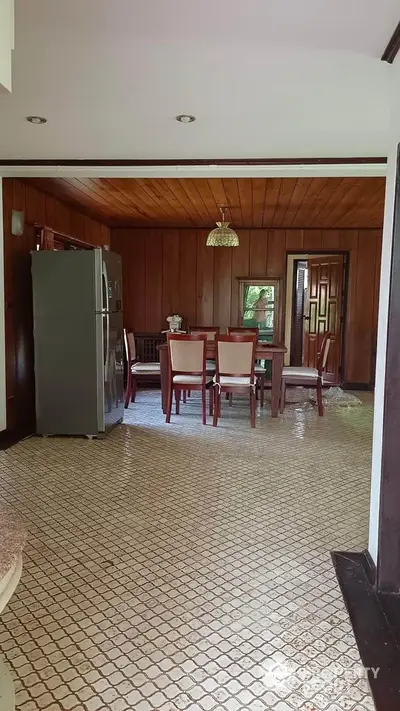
78, 339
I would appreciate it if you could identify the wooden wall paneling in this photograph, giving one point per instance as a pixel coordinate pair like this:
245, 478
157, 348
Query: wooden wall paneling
35, 206
57, 215
330, 239
205, 280
276, 265
240, 268
170, 274
349, 243
136, 279
78, 225
222, 285
364, 303
312, 240
187, 282
294, 240
154, 276
258, 252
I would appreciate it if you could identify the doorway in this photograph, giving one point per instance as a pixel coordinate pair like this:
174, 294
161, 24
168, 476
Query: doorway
317, 305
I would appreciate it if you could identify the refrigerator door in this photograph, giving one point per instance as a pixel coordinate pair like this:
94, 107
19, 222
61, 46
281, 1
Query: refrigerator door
112, 281
113, 368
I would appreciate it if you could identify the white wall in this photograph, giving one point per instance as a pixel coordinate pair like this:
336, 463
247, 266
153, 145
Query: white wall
383, 319
6, 42
3, 403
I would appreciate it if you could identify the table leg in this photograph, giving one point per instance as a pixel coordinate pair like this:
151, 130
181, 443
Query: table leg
164, 378
277, 367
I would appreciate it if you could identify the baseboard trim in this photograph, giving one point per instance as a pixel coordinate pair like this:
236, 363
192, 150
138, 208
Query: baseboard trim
374, 618
8, 438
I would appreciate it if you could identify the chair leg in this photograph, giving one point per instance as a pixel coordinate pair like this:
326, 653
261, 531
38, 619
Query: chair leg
217, 405
262, 388
253, 407
177, 400
226, 396
211, 397
319, 399
184, 396
283, 395
128, 391
230, 399
204, 406
188, 393
134, 388
169, 404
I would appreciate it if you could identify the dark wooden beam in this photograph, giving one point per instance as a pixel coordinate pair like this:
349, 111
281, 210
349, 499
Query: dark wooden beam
382, 160
393, 47
388, 568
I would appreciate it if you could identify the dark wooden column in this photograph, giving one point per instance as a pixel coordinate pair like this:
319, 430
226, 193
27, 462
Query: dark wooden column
388, 568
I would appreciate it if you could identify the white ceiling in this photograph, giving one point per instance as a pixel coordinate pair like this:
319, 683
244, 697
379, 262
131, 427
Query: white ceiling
265, 78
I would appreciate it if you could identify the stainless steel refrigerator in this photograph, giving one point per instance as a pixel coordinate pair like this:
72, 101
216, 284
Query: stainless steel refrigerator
78, 333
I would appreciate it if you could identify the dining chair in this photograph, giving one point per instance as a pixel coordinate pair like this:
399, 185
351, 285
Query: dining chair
258, 369
187, 370
308, 377
235, 358
210, 331
137, 370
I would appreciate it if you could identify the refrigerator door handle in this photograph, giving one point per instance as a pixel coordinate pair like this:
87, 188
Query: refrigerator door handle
106, 316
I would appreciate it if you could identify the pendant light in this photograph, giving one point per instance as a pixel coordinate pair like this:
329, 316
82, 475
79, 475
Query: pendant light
222, 235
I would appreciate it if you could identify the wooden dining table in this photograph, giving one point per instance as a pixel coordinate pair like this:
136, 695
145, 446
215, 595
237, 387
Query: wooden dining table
264, 351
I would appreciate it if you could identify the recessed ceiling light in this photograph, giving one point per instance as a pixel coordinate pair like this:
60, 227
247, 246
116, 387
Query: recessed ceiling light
36, 119
185, 118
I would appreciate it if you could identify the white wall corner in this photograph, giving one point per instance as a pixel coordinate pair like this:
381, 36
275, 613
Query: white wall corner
6, 43
384, 293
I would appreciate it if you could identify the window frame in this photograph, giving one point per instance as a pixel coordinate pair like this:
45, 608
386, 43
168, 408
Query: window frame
277, 283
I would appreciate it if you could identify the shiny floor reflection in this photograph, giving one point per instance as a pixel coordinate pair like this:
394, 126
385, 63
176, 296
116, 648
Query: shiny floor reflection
182, 567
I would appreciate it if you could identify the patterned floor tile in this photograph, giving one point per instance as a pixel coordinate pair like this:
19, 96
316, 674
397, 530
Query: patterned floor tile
182, 567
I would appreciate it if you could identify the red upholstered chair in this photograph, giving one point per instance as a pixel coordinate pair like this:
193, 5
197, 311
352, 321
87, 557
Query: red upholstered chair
258, 369
187, 369
235, 370
308, 377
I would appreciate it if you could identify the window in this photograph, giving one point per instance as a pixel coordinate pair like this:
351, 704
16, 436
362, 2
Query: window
260, 307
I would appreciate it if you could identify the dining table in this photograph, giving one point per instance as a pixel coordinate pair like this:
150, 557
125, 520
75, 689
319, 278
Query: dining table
275, 352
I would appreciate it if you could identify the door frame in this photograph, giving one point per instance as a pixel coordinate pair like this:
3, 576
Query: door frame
302, 255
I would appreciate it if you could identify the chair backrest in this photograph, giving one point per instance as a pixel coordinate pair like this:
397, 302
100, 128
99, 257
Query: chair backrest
210, 331
187, 353
236, 355
323, 353
243, 329
131, 345
146, 346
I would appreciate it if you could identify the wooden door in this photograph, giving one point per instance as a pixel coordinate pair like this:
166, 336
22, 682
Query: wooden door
323, 312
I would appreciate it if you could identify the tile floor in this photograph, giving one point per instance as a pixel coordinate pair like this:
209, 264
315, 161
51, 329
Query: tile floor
181, 567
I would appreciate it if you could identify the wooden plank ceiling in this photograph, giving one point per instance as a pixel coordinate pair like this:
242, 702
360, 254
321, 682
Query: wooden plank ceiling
337, 203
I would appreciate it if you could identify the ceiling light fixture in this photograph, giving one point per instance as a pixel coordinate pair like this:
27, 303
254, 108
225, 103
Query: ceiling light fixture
36, 119
185, 118
222, 235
